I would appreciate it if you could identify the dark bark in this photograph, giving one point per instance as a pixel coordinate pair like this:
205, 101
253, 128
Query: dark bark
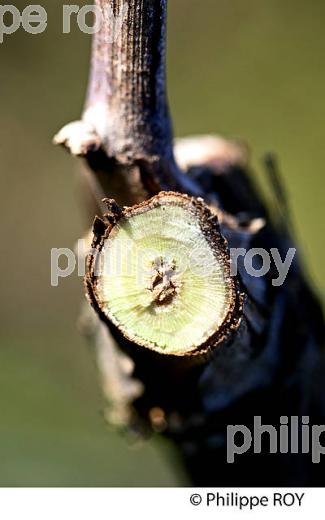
273, 365
126, 100
126, 132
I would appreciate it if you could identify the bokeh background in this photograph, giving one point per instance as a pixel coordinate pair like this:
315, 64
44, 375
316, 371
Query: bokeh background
253, 70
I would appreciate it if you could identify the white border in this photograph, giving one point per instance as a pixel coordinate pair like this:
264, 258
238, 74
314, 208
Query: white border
148, 503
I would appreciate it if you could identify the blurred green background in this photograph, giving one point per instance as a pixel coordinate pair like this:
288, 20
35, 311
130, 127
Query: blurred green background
251, 69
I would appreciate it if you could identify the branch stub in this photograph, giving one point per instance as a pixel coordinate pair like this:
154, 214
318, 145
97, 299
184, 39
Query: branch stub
164, 278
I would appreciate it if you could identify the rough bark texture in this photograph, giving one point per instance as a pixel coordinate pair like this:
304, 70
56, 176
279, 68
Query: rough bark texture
273, 365
126, 128
126, 100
